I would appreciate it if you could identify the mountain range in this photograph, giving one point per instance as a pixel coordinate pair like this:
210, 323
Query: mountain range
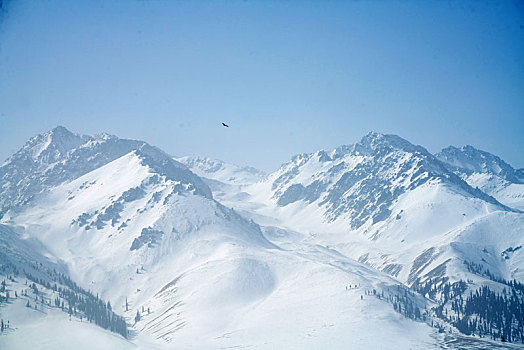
377, 244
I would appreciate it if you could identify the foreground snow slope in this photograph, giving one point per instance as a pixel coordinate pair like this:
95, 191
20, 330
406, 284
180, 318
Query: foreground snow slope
275, 297
50, 328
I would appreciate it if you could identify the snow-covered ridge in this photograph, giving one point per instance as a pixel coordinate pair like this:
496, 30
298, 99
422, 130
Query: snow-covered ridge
360, 182
468, 159
487, 172
58, 156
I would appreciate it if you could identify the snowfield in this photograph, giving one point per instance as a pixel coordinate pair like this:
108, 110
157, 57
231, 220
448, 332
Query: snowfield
324, 253
47, 328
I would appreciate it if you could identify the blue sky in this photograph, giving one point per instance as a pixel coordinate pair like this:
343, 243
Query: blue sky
289, 77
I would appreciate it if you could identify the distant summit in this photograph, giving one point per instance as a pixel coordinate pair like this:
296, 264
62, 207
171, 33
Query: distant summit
486, 171
48, 147
470, 160
222, 171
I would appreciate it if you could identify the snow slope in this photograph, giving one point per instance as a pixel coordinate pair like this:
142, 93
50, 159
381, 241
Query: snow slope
391, 205
207, 262
49, 328
18, 253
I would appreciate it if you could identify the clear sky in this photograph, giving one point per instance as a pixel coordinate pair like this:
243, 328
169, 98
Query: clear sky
288, 77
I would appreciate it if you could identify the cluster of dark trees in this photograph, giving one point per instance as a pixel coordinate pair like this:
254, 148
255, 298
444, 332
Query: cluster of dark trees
4, 299
484, 312
404, 305
3, 289
440, 289
82, 303
489, 313
478, 269
4, 325
402, 301
7, 267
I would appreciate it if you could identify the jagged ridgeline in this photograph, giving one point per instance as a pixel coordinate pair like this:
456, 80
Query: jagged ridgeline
58, 156
360, 183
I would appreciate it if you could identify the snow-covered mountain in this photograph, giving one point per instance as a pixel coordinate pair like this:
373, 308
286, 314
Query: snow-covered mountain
224, 172
145, 233
392, 205
352, 248
58, 156
358, 184
470, 160
397, 208
127, 207
487, 172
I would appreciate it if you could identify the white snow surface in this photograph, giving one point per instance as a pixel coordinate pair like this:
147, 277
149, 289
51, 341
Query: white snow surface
262, 262
208, 262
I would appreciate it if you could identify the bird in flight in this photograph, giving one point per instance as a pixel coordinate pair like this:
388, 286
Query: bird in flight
224, 124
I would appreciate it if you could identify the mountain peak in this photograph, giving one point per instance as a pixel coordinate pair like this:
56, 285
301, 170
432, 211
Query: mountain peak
374, 141
377, 170
50, 159
470, 160
60, 130
61, 135
104, 136
49, 146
